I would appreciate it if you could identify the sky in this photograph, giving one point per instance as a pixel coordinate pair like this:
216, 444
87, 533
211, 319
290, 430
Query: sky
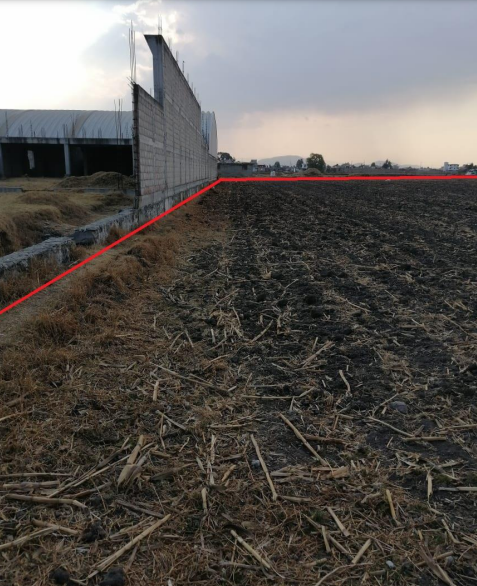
355, 80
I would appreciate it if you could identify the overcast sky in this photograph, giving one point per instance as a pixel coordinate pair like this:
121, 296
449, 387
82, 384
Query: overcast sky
354, 80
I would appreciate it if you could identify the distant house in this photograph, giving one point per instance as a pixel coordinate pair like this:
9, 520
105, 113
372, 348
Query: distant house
448, 167
235, 169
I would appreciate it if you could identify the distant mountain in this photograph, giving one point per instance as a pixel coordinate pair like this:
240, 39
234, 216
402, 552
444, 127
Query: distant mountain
287, 160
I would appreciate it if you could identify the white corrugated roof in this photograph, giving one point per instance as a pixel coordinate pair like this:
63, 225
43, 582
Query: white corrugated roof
64, 124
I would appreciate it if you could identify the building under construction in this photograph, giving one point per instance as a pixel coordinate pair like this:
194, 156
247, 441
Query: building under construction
166, 142
54, 143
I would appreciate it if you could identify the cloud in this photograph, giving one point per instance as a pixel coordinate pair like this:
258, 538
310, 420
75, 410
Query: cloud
41, 44
407, 136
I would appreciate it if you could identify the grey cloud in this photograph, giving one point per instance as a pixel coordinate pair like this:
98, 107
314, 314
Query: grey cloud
331, 57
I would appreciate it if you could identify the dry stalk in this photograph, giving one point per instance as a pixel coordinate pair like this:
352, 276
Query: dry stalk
116, 555
251, 550
304, 441
264, 467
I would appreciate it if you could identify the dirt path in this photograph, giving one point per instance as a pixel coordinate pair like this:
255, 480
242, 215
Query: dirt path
280, 374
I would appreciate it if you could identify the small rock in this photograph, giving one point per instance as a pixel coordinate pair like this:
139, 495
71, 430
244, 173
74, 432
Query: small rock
450, 559
310, 299
93, 532
261, 297
60, 576
115, 577
399, 406
390, 565
256, 463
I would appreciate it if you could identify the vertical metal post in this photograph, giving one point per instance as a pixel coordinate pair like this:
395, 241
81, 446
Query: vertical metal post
67, 159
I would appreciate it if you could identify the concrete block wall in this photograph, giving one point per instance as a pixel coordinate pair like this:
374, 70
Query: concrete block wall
172, 155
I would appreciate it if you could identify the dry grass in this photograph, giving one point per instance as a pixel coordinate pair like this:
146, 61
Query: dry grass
27, 218
22, 283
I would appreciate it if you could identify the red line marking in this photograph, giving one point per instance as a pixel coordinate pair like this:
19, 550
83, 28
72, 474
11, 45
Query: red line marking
223, 180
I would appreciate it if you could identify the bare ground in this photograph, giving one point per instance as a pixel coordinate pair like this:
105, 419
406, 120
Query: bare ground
275, 385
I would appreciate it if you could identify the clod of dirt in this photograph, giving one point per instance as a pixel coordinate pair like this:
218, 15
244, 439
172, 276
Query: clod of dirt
115, 577
93, 532
261, 296
60, 576
311, 299
399, 406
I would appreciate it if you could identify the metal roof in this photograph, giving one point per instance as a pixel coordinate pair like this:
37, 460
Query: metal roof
65, 124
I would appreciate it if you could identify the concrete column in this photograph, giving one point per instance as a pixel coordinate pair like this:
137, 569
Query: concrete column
2, 164
155, 43
67, 159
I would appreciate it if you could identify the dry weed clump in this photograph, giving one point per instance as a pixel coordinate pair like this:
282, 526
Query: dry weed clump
115, 233
57, 328
111, 283
154, 249
115, 199
100, 179
60, 208
9, 237
21, 283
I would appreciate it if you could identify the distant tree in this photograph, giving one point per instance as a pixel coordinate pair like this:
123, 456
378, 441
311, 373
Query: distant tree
373, 165
387, 164
277, 165
225, 157
299, 164
316, 161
